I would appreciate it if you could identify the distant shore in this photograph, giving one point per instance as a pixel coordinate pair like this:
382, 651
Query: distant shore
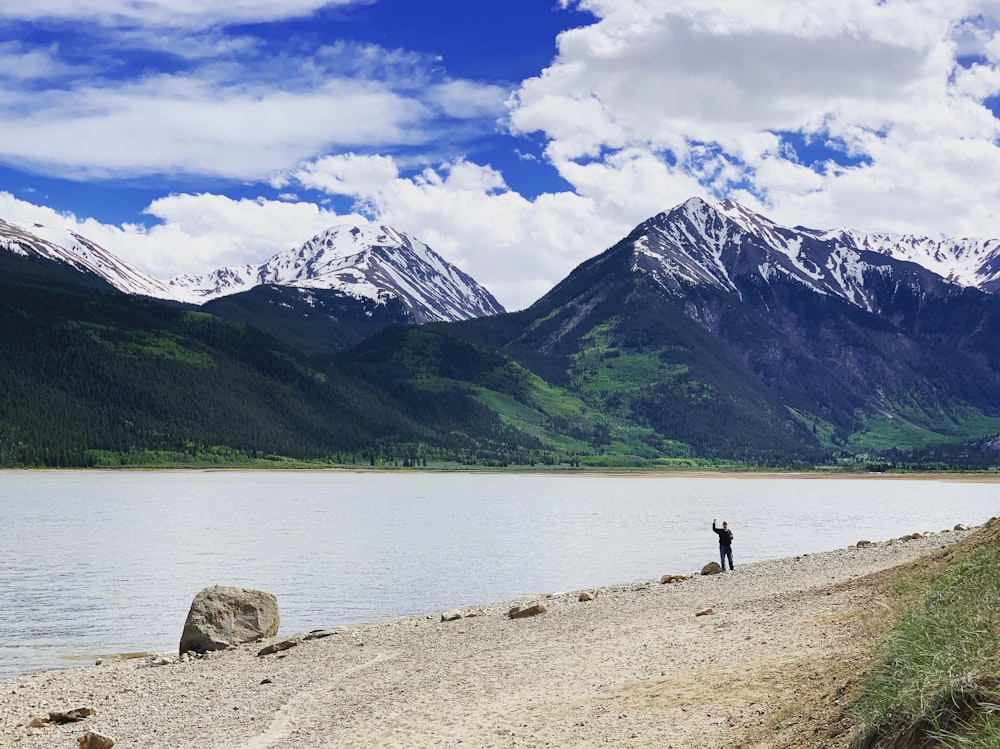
976, 476
634, 667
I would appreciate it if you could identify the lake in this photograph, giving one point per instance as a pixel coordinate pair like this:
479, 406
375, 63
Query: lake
98, 563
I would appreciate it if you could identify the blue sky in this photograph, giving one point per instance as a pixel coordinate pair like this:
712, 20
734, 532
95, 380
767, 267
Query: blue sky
516, 137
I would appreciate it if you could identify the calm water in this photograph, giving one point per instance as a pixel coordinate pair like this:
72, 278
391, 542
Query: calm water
96, 563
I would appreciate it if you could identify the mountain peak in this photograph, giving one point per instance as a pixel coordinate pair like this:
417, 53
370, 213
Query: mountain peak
734, 249
364, 261
695, 205
347, 237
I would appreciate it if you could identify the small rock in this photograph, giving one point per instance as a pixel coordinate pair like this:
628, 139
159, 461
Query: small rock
94, 740
587, 595
521, 612
863, 543
712, 568
960, 527
38, 722
451, 616
704, 612
667, 579
277, 647
70, 716
319, 634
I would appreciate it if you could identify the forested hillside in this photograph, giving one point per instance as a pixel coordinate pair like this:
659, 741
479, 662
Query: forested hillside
88, 371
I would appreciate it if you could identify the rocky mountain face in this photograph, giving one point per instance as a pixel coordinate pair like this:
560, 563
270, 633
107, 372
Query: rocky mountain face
724, 245
693, 243
795, 278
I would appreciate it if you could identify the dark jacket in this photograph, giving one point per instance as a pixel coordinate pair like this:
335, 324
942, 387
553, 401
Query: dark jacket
725, 535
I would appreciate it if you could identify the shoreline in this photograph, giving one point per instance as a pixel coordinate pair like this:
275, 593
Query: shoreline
983, 476
633, 667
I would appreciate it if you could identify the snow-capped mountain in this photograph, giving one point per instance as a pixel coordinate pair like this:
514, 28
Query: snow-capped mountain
71, 250
375, 263
700, 244
724, 330
693, 243
366, 262
966, 261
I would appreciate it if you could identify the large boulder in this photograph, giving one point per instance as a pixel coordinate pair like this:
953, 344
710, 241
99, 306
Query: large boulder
222, 616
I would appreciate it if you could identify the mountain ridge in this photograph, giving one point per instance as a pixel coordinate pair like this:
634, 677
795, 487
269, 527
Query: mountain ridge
376, 262
707, 335
379, 264
696, 242
967, 261
71, 250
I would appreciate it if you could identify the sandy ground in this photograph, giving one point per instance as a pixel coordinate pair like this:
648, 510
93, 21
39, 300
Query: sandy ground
772, 666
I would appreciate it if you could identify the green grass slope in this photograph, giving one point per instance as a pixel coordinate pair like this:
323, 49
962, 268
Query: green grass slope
936, 682
615, 341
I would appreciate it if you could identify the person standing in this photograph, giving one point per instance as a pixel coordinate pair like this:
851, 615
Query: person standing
725, 544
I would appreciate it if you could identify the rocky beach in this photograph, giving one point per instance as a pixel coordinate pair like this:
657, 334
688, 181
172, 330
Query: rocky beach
752, 657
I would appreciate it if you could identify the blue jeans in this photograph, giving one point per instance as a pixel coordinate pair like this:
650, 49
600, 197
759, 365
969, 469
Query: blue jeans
724, 553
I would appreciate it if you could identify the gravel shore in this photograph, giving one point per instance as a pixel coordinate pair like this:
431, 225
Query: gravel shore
635, 667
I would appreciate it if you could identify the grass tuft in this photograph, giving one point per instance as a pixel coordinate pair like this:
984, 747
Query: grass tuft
937, 678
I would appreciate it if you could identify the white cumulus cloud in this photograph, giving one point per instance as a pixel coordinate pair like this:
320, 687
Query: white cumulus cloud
170, 124
195, 233
516, 247
195, 13
718, 92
